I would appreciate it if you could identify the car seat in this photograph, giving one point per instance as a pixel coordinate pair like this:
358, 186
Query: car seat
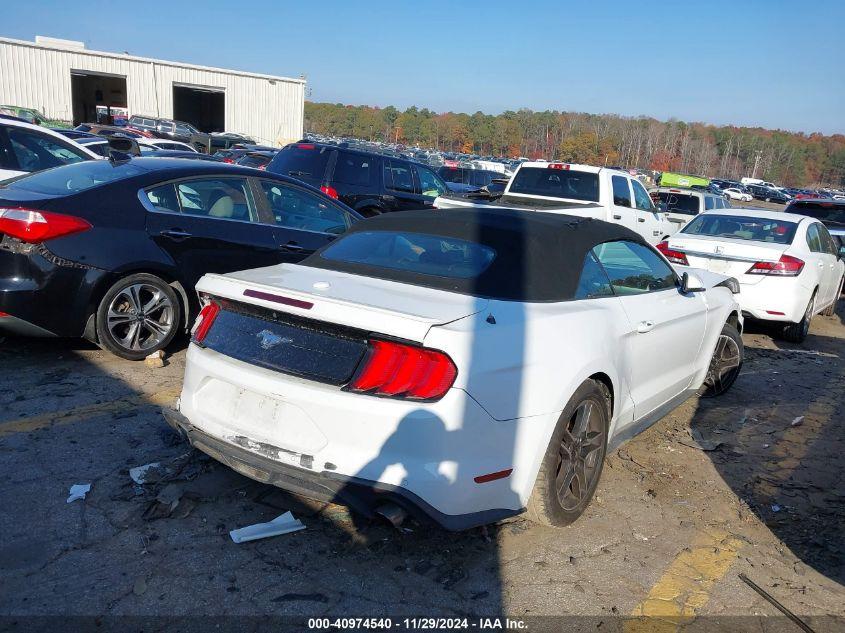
222, 205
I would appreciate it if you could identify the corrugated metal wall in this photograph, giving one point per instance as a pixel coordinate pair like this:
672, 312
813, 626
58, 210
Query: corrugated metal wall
270, 109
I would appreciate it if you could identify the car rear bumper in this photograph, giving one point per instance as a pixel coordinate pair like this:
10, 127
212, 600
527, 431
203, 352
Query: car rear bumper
774, 299
320, 441
44, 294
361, 495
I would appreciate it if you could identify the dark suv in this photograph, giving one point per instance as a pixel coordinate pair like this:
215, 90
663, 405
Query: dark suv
369, 183
175, 131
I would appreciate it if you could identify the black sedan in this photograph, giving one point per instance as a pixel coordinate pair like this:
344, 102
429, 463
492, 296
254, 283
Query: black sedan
112, 250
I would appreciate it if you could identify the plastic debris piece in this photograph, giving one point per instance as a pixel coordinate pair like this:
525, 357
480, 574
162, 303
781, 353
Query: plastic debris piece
282, 524
155, 360
797, 421
775, 508
78, 491
139, 473
698, 441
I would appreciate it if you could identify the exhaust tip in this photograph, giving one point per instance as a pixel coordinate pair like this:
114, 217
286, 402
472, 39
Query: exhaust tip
393, 513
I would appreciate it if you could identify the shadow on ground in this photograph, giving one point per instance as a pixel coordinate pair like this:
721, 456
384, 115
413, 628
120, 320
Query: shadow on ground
782, 452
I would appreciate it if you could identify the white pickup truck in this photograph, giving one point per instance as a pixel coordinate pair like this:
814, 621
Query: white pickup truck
592, 192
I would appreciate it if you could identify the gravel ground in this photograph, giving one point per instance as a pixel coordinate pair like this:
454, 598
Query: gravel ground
768, 501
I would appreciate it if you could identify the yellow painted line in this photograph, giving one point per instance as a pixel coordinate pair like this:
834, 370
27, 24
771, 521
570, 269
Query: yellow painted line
85, 412
685, 586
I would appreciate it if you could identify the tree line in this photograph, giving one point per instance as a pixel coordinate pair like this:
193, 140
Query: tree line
789, 158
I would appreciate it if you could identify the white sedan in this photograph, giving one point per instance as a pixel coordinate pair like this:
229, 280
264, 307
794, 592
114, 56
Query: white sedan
787, 265
462, 365
32, 148
735, 194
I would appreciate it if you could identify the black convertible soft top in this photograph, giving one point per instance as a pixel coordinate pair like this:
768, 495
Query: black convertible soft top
539, 256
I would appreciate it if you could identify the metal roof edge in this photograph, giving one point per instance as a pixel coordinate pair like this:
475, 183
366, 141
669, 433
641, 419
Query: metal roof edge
147, 60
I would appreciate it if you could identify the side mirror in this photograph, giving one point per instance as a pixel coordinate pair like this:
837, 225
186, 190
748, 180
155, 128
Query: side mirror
691, 283
124, 145
842, 253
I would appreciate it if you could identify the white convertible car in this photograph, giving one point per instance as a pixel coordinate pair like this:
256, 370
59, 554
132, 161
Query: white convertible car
787, 265
460, 365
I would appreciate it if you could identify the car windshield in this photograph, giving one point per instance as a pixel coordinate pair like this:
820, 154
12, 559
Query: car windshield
74, 178
740, 227
556, 183
829, 213
679, 202
413, 252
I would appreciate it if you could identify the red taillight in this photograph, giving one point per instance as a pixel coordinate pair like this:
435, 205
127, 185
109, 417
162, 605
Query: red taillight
558, 166
676, 257
3, 315
404, 371
204, 322
229, 160
39, 226
305, 146
786, 266
331, 192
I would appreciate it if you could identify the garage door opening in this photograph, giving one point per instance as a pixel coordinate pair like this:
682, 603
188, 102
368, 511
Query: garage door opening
97, 98
201, 107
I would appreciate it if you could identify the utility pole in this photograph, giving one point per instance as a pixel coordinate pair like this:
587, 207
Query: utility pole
757, 156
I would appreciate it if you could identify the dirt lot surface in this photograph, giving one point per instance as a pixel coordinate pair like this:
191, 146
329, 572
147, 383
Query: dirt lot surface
668, 534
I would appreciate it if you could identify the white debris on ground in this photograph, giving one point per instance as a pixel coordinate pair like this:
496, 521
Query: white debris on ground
78, 491
282, 524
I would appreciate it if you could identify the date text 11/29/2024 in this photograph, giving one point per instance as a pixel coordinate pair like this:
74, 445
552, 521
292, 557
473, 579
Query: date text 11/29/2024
418, 624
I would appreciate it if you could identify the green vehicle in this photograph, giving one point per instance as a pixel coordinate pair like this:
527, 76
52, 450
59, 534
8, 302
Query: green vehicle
31, 115
668, 179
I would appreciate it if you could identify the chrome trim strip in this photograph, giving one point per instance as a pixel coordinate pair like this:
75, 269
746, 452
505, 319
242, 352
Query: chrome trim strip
724, 257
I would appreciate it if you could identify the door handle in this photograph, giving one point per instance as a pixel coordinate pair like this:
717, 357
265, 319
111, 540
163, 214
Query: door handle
175, 234
821, 264
617, 217
293, 247
640, 219
645, 326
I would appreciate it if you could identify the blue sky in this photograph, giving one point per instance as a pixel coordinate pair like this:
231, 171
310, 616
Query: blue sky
772, 63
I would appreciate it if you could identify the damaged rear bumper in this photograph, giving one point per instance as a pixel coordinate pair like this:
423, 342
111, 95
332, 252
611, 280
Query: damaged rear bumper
361, 495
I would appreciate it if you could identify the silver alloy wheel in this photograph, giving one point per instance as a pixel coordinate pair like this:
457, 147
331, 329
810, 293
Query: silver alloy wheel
580, 456
808, 316
724, 365
140, 317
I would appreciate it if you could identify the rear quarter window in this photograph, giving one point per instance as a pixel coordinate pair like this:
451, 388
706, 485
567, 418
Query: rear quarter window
354, 169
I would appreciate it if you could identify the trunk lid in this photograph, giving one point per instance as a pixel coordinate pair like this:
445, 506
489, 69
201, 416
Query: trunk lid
367, 304
731, 257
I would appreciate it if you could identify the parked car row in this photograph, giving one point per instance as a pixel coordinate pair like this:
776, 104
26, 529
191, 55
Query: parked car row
431, 336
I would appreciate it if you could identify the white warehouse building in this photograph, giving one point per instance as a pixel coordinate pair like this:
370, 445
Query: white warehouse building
66, 81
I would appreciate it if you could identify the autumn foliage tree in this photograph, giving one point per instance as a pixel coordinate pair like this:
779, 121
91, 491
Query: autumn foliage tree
791, 158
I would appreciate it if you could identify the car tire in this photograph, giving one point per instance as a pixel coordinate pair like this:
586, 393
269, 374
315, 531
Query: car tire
139, 315
797, 332
831, 309
575, 453
725, 364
